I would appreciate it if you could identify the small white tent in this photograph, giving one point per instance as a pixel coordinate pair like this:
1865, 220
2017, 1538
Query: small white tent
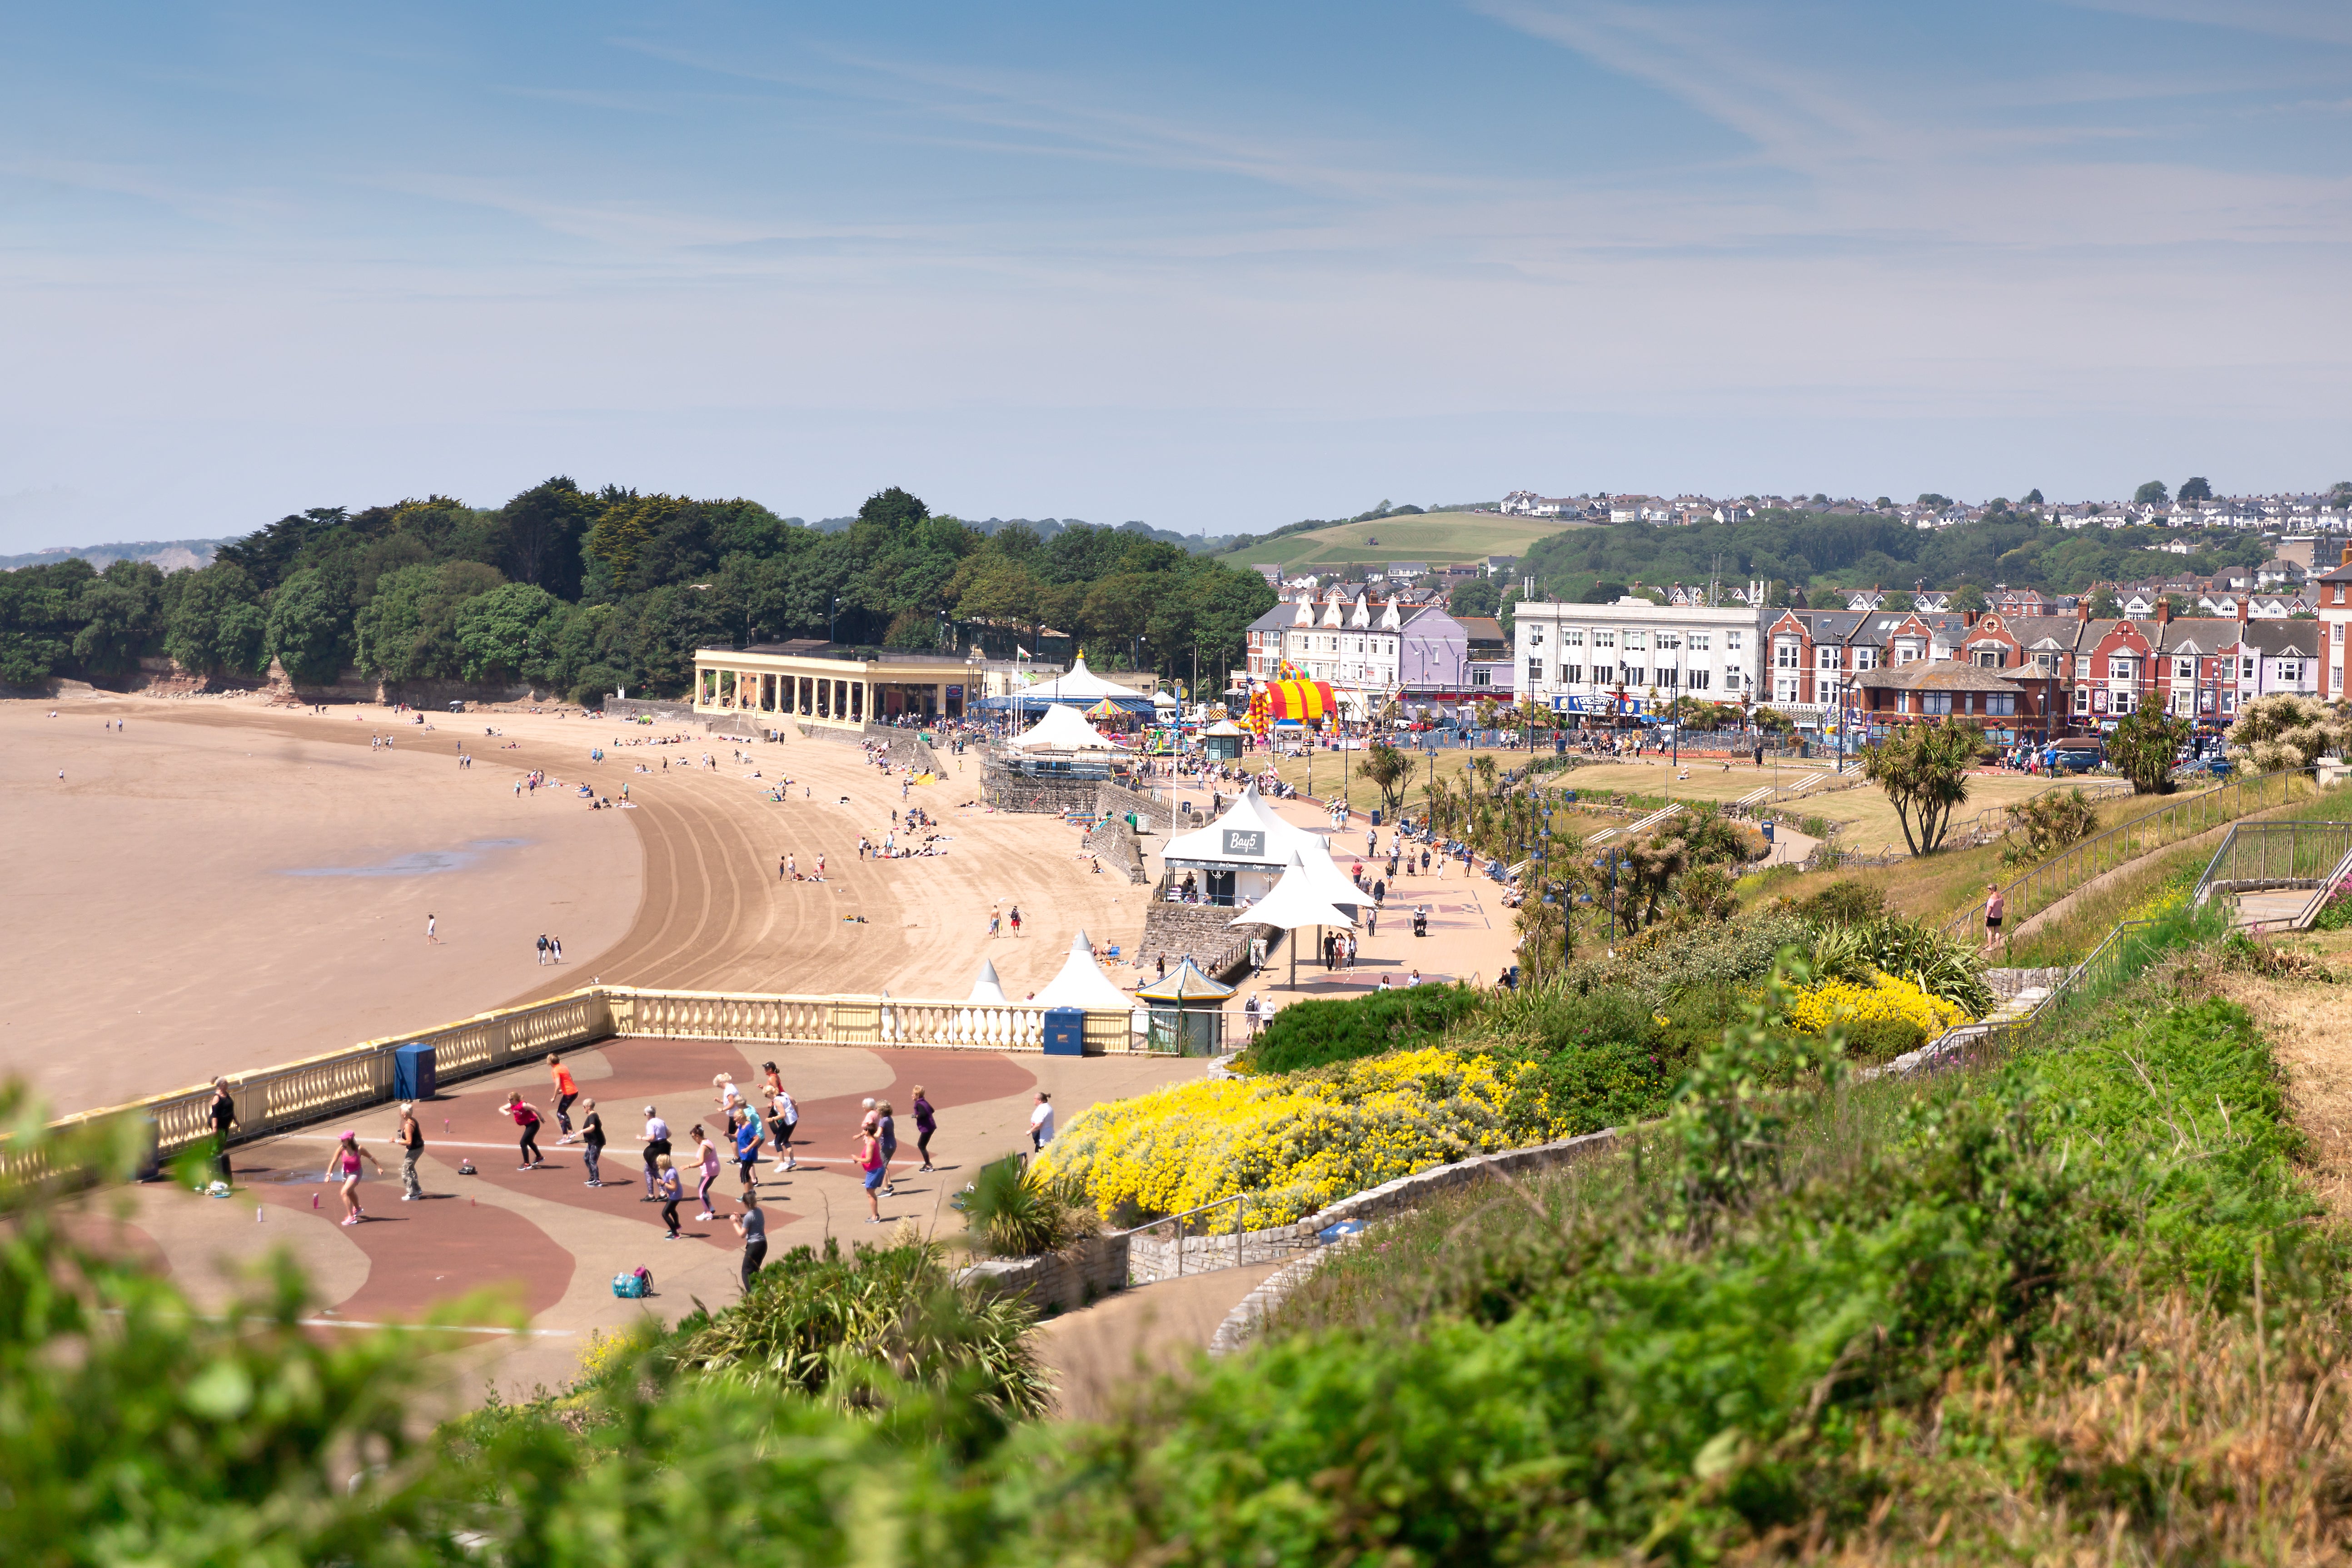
1082, 983
1084, 687
994, 1029
987, 988
1295, 904
1064, 730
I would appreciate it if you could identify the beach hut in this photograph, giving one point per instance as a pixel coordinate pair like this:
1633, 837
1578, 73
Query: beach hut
1188, 1012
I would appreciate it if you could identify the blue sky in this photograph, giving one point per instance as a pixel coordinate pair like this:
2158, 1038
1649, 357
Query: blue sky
1211, 266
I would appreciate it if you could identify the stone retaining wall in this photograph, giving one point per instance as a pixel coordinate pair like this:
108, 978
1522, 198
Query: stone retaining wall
1014, 792
1197, 932
1155, 815
1115, 842
1057, 1281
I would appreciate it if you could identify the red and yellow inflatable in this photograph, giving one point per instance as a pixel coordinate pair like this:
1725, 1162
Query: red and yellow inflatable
1305, 700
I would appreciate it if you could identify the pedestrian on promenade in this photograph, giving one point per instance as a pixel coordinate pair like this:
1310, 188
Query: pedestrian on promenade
784, 1119
592, 1143
869, 1160
926, 1123
1041, 1123
666, 1187
411, 1140
223, 1118
656, 1145
346, 1160
886, 1129
706, 1154
748, 1138
752, 1226
526, 1116
566, 1091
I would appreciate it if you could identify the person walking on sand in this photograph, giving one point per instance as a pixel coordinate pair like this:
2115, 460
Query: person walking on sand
926, 1123
542, 949
592, 1143
669, 1192
566, 1091
555, 949
526, 1116
1041, 1123
656, 1145
431, 922
783, 868
752, 1226
223, 1118
706, 1156
994, 921
869, 1160
410, 1142
1014, 918
346, 1161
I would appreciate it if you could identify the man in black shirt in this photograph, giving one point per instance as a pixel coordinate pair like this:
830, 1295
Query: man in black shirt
591, 1142
223, 1118
411, 1139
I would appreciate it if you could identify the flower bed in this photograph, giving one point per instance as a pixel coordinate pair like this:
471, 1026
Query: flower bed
1299, 1141
1885, 999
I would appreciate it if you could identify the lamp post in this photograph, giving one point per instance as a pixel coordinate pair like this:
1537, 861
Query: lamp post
833, 621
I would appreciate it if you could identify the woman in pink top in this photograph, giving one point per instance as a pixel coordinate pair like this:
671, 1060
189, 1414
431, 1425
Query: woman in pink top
345, 1162
707, 1154
1995, 907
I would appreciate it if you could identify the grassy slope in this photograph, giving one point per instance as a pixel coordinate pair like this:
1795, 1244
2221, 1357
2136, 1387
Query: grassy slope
1437, 537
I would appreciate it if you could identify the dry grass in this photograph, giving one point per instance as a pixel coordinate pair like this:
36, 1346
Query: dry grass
2304, 1024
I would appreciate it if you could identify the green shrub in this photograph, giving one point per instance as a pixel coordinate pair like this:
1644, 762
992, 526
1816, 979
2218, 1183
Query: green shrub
1014, 1212
1319, 1034
1601, 1059
1882, 1039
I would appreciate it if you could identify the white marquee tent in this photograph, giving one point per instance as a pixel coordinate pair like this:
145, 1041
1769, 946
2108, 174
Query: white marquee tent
1083, 687
1064, 729
1082, 983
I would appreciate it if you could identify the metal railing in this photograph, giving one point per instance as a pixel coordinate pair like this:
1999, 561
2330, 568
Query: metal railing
2183, 817
1150, 1258
2258, 857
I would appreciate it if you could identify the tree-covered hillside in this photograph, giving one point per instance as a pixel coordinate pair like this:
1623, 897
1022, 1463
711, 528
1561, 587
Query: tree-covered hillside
1807, 550
581, 593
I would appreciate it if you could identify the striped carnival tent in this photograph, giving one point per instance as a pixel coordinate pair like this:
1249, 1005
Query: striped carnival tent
1305, 700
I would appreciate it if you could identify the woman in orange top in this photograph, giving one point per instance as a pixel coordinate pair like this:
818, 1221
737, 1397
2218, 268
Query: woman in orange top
566, 1091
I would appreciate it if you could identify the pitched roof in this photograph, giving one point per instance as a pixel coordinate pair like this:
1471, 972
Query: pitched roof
1937, 675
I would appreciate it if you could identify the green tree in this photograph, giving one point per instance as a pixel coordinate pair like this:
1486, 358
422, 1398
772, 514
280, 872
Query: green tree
1970, 597
1923, 768
2105, 606
2143, 747
408, 631
2194, 487
2153, 493
218, 624
308, 631
508, 632
121, 612
1390, 770
1940, 502
2033, 496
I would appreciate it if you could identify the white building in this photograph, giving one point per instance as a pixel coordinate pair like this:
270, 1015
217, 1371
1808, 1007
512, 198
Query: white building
1356, 646
1635, 657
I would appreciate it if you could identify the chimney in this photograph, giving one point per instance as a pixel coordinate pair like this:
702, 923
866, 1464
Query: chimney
2163, 612
2243, 600
2082, 609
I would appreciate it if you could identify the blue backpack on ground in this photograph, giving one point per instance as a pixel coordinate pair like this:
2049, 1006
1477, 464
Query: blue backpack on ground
633, 1284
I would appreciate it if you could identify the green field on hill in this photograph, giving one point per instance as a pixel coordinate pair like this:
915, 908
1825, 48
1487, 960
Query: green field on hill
1436, 537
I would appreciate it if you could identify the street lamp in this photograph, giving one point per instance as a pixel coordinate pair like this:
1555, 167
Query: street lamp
833, 621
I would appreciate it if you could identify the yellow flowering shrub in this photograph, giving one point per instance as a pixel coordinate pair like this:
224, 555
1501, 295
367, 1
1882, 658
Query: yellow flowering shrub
1297, 1141
1815, 1008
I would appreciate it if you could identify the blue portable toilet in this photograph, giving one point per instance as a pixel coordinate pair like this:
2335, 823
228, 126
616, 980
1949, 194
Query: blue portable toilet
1066, 1031
413, 1076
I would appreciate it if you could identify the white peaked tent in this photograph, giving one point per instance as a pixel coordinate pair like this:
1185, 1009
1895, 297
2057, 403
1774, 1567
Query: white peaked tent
987, 988
990, 1028
1084, 687
1295, 904
1248, 813
1064, 730
1082, 983
1331, 884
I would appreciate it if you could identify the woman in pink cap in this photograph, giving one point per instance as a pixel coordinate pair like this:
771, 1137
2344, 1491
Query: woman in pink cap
346, 1163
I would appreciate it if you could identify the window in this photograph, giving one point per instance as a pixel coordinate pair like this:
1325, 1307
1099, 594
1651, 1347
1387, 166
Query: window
1865, 658
1784, 689
1825, 657
2291, 670
1784, 653
1482, 676
1604, 639
2082, 700
2125, 701
2184, 702
1571, 675
1636, 639
1571, 637
2123, 668
1535, 636
2046, 661
2001, 704
1666, 642
1535, 672
1666, 674
1935, 702
1635, 675
1731, 680
2336, 629
1732, 641
1700, 641
2184, 669
2245, 669
1906, 652
1988, 659
1700, 680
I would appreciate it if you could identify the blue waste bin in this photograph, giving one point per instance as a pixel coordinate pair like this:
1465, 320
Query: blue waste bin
1066, 1031
412, 1073
1768, 830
